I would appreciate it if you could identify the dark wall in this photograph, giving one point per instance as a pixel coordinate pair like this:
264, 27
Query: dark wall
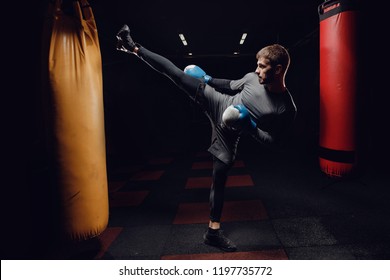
146, 114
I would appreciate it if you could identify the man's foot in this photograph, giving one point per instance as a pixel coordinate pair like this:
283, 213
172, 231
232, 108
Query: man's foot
215, 237
125, 42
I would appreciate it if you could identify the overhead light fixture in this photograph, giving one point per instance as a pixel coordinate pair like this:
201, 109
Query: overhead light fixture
243, 38
183, 39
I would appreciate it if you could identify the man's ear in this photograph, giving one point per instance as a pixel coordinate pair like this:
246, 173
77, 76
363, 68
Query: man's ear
278, 69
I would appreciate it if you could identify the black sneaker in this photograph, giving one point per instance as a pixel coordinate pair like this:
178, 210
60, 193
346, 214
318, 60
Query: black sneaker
125, 42
217, 239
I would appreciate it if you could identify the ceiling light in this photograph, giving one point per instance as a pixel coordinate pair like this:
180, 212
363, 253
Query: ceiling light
243, 38
183, 39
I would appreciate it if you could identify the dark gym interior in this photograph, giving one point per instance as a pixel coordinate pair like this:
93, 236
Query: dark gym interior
279, 204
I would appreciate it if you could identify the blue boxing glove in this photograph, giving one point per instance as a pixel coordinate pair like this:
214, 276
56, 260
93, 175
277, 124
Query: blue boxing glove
238, 118
197, 72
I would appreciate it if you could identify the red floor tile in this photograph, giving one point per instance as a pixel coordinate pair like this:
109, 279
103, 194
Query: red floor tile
244, 210
125, 199
239, 181
106, 238
195, 213
232, 181
192, 213
147, 175
277, 254
202, 165
198, 182
238, 164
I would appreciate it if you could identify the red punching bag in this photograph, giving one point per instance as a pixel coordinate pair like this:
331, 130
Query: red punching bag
338, 86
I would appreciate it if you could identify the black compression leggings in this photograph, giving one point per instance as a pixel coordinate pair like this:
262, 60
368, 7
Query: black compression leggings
220, 172
190, 85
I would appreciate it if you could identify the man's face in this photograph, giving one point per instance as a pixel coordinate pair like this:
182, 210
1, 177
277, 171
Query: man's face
265, 71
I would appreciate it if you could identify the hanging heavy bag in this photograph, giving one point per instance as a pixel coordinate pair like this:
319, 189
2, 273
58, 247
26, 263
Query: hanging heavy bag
338, 87
75, 119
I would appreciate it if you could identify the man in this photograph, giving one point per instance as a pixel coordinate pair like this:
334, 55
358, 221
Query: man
258, 104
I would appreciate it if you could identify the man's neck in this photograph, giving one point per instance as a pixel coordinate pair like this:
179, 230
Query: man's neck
276, 88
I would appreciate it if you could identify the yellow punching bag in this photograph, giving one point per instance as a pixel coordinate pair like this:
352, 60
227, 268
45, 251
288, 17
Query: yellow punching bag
74, 97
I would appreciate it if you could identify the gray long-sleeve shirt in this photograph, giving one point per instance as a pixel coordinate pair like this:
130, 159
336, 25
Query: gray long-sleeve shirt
273, 113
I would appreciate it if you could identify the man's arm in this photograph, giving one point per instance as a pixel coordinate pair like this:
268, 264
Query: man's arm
262, 136
230, 86
222, 85
277, 132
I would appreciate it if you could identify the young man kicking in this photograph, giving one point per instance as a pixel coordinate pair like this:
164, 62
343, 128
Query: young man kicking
259, 104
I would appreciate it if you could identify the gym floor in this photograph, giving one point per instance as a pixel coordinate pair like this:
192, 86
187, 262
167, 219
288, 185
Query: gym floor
279, 206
